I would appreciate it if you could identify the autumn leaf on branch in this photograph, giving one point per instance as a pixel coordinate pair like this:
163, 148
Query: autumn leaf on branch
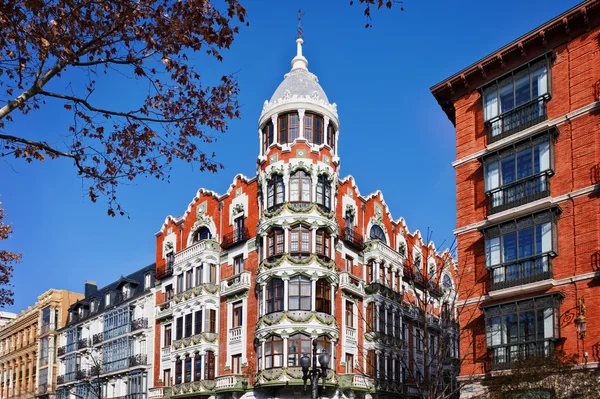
7, 259
148, 40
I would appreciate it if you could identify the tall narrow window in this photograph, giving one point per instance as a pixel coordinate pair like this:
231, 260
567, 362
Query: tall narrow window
238, 265
322, 244
371, 364
300, 242
189, 279
168, 335
238, 229
237, 314
209, 365
275, 191
188, 369
349, 363
199, 275
371, 317
273, 352
167, 377
274, 298
324, 193
198, 322
211, 321
299, 293
197, 367
188, 325
349, 314
275, 242
179, 332
349, 264
300, 186
180, 284
369, 273
236, 364
283, 129
268, 136
212, 274
293, 127
178, 371
313, 128
323, 297
298, 345
331, 136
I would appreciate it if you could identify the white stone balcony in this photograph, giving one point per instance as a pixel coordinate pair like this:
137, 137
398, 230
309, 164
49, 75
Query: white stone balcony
360, 381
376, 248
164, 310
165, 353
235, 284
352, 284
235, 335
156, 392
196, 250
230, 383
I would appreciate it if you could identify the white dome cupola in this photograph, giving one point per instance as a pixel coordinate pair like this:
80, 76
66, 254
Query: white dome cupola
298, 110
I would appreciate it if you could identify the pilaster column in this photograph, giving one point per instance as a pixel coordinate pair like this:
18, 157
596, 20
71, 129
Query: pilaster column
376, 274
18, 376
325, 126
33, 377
285, 352
313, 239
261, 140
286, 238
286, 290
275, 129
377, 316
337, 135
263, 298
333, 299
313, 295
262, 359
264, 246
301, 122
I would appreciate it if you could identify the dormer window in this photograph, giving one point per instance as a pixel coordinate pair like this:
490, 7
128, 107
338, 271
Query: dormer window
126, 291
107, 299
147, 281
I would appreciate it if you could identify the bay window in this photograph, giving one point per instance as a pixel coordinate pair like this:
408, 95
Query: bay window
300, 186
288, 128
323, 192
523, 329
209, 365
300, 294
517, 100
300, 242
323, 297
274, 300
324, 345
519, 175
298, 345
275, 192
273, 352
322, 245
520, 252
275, 245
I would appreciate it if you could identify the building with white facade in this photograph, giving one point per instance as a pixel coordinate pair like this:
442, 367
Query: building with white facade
106, 348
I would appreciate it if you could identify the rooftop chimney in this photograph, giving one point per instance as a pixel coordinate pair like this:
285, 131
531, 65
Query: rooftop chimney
90, 288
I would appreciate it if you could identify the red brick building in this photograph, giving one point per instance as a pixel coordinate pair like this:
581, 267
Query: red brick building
527, 121
295, 254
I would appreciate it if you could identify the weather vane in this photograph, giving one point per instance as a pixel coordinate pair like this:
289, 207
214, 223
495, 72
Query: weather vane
300, 15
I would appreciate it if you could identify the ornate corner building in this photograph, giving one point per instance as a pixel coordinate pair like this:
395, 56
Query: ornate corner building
28, 366
247, 280
105, 350
528, 209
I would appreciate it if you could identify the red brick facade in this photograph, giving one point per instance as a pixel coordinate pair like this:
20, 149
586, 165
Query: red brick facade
573, 120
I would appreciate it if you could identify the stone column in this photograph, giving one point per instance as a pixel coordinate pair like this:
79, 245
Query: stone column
263, 299
313, 295
301, 122
325, 127
32, 376
285, 352
333, 300
275, 130
286, 238
18, 364
286, 290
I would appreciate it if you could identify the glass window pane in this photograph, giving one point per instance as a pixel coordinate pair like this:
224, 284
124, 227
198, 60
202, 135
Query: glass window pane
508, 170
522, 90
492, 249
524, 165
526, 243
492, 176
541, 157
490, 105
509, 244
507, 98
539, 83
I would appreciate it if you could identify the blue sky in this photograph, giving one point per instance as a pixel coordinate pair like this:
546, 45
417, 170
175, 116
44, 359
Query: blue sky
393, 136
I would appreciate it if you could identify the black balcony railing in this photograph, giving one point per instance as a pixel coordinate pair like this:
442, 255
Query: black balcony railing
97, 338
519, 193
47, 327
82, 374
353, 238
517, 119
61, 350
138, 360
60, 379
42, 389
505, 357
524, 271
95, 370
138, 324
83, 343
235, 237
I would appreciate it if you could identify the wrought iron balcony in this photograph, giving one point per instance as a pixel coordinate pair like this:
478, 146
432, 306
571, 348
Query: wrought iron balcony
61, 350
517, 119
520, 192
83, 343
505, 357
138, 360
235, 237
139, 324
524, 271
47, 327
97, 338
353, 238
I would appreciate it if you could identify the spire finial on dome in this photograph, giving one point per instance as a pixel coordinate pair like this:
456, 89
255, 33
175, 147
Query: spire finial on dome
299, 62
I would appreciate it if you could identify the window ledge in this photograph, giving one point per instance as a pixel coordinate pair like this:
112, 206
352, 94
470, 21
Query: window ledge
521, 289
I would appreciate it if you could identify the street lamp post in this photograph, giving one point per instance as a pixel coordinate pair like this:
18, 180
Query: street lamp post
316, 372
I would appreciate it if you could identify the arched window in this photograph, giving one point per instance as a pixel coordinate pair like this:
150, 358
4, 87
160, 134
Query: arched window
323, 297
300, 187
209, 365
275, 191
197, 367
275, 240
323, 243
203, 233
377, 233
288, 128
323, 192
313, 128
273, 352
299, 293
298, 345
268, 136
274, 296
300, 242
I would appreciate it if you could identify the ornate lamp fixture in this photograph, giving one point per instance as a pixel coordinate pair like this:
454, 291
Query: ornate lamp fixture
316, 372
581, 320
